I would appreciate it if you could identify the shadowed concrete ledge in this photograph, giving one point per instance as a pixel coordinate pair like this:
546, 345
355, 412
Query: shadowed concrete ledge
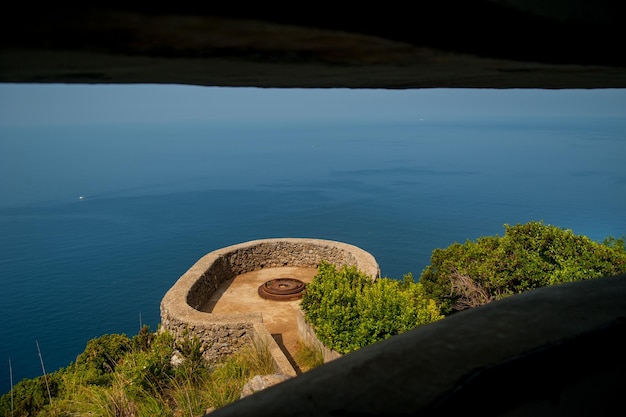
436, 44
554, 351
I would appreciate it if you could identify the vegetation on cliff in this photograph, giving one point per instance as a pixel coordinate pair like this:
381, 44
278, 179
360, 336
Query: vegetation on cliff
121, 376
528, 256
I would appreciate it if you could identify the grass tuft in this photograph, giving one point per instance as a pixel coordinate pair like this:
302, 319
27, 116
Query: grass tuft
308, 357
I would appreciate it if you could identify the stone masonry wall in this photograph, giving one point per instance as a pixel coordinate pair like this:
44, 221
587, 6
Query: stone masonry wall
222, 334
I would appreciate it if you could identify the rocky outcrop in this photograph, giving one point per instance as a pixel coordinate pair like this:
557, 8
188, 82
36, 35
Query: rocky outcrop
261, 382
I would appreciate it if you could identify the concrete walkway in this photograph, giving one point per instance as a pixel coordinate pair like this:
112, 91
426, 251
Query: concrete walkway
240, 295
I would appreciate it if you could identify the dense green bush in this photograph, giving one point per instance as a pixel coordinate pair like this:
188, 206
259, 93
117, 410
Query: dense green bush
528, 256
349, 310
100, 357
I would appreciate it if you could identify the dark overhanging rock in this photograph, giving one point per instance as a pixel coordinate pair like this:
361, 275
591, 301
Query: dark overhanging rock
449, 44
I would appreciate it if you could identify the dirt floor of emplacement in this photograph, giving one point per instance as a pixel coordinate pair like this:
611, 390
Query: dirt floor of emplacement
240, 295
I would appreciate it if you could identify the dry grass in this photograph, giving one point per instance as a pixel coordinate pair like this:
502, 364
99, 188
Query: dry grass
308, 357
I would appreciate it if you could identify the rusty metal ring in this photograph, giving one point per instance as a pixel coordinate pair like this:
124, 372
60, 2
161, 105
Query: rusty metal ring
282, 289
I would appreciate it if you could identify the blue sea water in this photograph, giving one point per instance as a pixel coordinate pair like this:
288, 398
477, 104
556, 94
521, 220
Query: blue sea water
158, 197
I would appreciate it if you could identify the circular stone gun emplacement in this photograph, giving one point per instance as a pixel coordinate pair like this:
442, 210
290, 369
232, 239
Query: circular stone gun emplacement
282, 289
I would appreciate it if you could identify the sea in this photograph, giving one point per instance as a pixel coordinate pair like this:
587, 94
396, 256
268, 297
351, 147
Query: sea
98, 222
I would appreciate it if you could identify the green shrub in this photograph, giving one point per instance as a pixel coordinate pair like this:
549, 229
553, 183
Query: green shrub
148, 370
528, 256
101, 356
28, 395
349, 310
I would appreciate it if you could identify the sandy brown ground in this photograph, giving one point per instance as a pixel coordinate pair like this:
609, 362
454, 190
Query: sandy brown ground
240, 295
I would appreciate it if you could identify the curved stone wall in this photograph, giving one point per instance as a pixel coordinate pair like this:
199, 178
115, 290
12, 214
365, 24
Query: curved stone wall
222, 334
